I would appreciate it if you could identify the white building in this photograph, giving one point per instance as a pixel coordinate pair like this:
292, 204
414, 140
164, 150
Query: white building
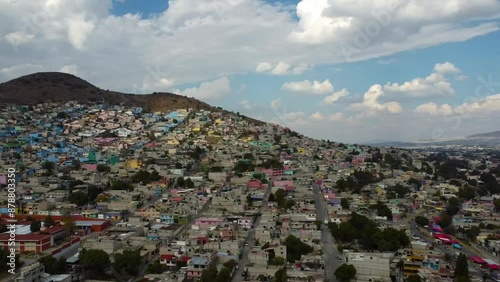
370, 267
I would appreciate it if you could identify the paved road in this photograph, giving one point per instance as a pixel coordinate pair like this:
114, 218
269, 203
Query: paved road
243, 262
329, 248
445, 249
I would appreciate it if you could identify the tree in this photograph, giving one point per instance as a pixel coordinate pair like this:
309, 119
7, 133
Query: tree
345, 272
129, 262
49, 221
224, 275
103, 168
280, 275
497, 204
382, 210
189, 183
78, 198
295, 248
318, 224
97, 260
208, 275
445, 221
422, 221
180, 182
156, 268
69, 224
462, 268
48, 165
35, 226
122, 185
277, 261
344, 203
413, 278
53, 265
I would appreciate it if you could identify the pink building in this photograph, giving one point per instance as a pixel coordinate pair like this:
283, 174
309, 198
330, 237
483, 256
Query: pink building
273, 172
208, 222
256, 184
245, 222
90, 167
283, 183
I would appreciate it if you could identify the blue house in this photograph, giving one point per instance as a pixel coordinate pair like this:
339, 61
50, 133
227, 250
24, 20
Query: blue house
137, 110
167, 218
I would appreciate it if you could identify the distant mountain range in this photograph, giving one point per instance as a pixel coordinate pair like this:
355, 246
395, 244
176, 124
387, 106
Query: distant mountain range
488, 139
494, 134
46, 87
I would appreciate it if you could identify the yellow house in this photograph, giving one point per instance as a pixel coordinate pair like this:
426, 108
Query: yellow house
134, 164
246, 139
301, 150
196, 129
218, 121
173, 142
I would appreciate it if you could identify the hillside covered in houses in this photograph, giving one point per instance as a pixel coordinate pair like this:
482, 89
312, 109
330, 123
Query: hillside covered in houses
141, 188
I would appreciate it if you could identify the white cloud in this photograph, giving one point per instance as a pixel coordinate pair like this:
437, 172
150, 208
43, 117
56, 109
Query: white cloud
484, 106
264, 67
276, 104
20, 70
445, 68
246, 104
432, 109
282, 68
19, 37
387, 21
308, 87
436, 84
371, 104
335, 97
215, 89
215, 32
71, 69
475, 107
317, 116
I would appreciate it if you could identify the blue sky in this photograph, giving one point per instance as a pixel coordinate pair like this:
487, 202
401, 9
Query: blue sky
425, 71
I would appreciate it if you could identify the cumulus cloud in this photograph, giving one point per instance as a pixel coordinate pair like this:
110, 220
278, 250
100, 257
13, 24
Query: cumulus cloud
477, 106
330, 21
317, 116
446, 67
215, 89
281, 68
487, 105
20, 70
71, 69
308, 87
435, 84
276, 104
432, 109
191, 31
372, 104
335, 97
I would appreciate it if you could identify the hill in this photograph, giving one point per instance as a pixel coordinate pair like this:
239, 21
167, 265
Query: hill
494, 134
44, 87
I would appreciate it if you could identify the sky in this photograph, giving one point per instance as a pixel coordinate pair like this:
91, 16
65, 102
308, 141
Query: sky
343, 70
